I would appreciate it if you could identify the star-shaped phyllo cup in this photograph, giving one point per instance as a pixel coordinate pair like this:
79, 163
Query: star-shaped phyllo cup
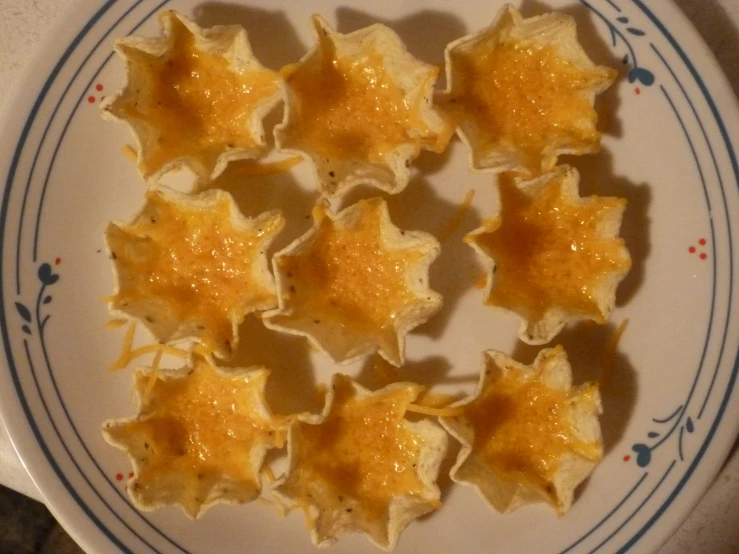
192, 266
355, 284
193, 97
359, 107
200, 437
527, 435
522, 92
553, 256
360, 466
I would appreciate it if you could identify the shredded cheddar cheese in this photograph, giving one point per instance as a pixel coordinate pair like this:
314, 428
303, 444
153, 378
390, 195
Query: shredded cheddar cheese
609, 354
125, 356
432, 400
153, 375
456, 220
115, 323
130, 152
128, 353
269, 475
287, 70
156, 348
282, 510
201, 350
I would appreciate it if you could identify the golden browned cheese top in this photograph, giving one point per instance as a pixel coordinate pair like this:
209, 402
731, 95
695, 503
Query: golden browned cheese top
202, 427
198, 103
523, 427
352, 108
548, 252
196, 261
363, 451
349, 276
526, 97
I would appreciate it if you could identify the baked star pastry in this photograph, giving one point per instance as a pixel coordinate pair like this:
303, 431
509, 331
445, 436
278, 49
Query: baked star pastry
355, 283
193, 97
527, 435
522, 92
200, 437
553, 256
359, 107
191, 266
360, 466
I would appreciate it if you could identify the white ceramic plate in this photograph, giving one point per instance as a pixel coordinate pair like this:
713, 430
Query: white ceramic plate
670, 123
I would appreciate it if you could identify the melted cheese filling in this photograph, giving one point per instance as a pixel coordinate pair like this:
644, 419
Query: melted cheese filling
548, 253
201, 428
200, 267
522, 428
197, 103
363, 452
353, 108
348, 277
525, 97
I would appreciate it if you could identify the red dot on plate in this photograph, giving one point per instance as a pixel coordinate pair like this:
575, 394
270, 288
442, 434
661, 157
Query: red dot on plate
627, 458
691, 249
637, 90
130, 474
703, 256
98, 87
119, 477
702, 242
58, 261
91, 99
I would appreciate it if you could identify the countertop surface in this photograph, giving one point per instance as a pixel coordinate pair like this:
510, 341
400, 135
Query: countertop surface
712, 527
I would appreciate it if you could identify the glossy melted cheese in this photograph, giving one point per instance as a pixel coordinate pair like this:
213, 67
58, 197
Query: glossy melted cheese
196, 101
349, 277
525, 97
363, 452
202, 428
522, 428
548, 252
352, 108
195, 261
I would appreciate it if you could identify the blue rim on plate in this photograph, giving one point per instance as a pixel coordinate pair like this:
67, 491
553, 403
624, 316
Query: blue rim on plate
656, 60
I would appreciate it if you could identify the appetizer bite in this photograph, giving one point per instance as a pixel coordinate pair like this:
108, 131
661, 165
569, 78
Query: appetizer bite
355, 283
359, 107
527, 436
360, 466
192, 266
553, 256
522, 92
193, 97
200, 437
